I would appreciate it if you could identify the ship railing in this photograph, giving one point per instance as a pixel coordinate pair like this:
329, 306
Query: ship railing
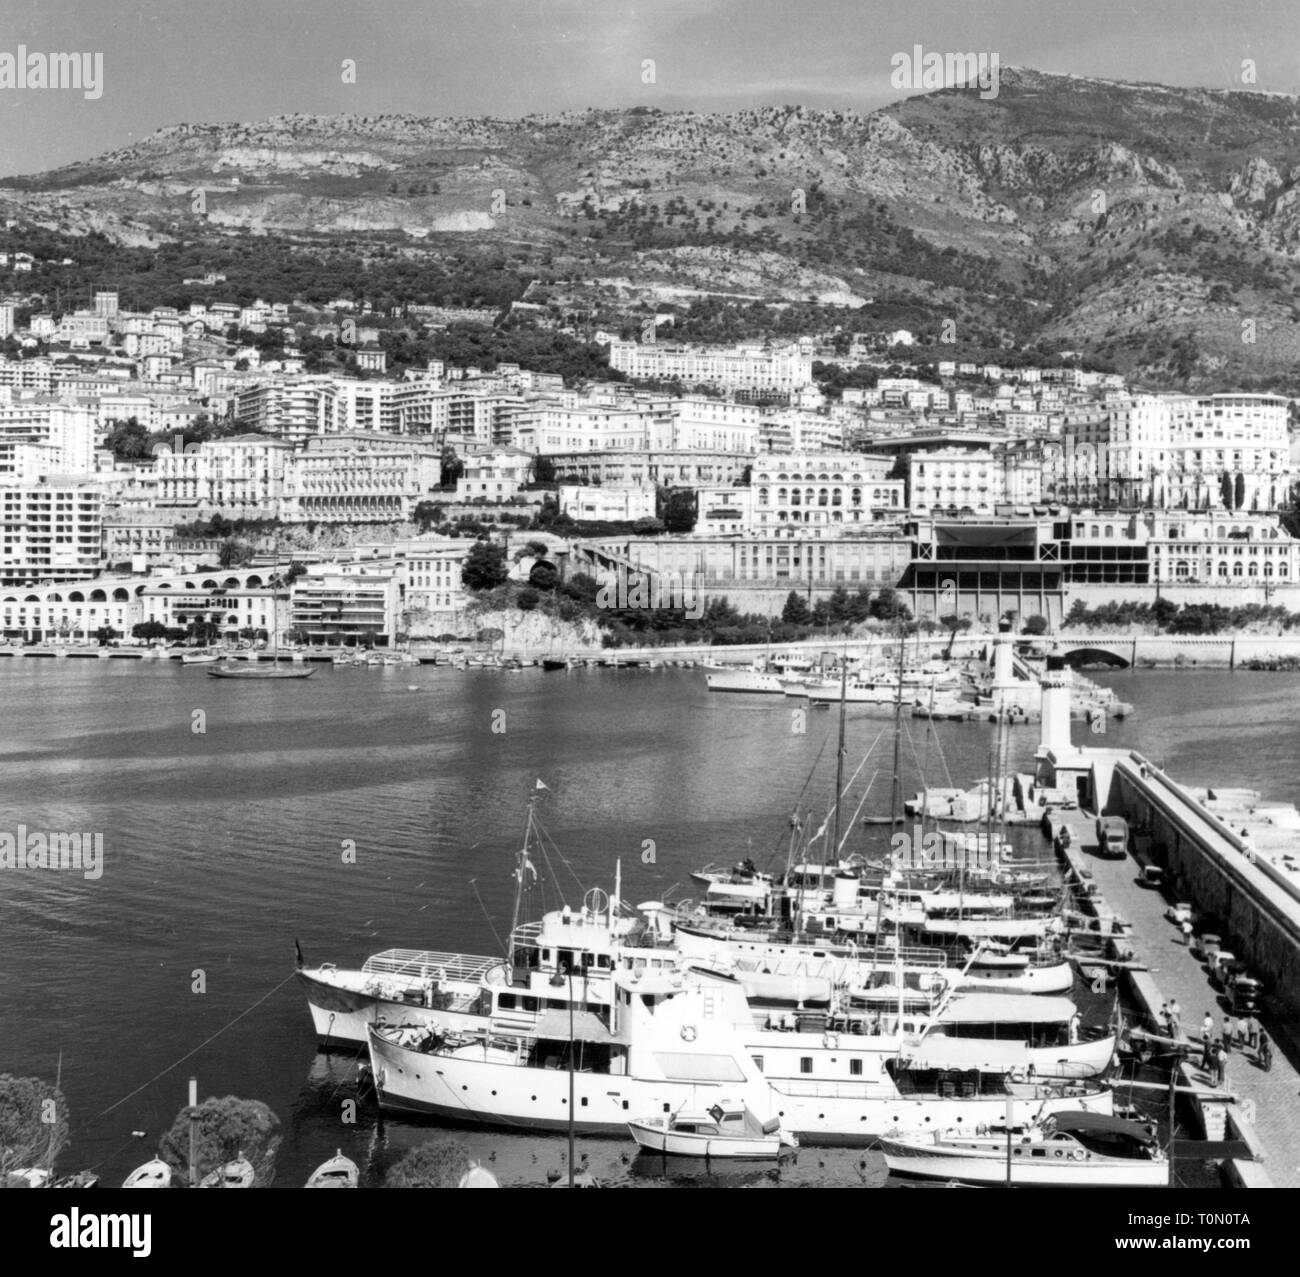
418, 965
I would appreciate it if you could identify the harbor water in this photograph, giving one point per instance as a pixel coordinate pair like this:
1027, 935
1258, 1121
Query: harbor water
365, 809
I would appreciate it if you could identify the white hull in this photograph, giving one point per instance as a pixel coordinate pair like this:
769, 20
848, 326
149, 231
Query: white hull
1055, 1168
655, 1138
745, 681
1056, 978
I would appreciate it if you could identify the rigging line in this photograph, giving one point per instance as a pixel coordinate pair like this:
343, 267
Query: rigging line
188, 1054
865, 759
473, 882
866, 793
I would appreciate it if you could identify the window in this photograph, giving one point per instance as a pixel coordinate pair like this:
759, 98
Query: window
855, 1068
758, 1063
805, 1064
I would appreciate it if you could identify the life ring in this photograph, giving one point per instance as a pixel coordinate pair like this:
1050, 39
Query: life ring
830, 1040
1017, 1074
1077, 1155
1058, 1152
688, 1033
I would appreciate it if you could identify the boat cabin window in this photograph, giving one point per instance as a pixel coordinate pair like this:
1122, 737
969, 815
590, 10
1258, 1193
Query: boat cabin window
511, 1002
648, 999
805, 1064
855, 1068
603, 961
758, 1063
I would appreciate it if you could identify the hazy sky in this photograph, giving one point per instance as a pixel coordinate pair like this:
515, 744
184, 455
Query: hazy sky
172, 61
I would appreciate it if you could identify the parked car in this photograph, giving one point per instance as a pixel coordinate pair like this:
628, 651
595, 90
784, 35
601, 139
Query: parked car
1244, 992
1112, 837
1180, 913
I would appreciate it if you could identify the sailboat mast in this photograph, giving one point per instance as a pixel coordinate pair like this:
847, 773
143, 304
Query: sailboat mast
839, 757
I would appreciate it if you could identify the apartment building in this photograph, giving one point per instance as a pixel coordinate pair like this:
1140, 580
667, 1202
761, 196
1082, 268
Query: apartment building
50, 531
974, 482
346, 605
359, 478
831, 488
241, 475
754, 367
1176, 450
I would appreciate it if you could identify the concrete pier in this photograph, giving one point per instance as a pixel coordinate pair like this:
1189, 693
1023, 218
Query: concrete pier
1235, 872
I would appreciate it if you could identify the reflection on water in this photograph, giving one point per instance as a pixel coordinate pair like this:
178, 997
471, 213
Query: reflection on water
222, 847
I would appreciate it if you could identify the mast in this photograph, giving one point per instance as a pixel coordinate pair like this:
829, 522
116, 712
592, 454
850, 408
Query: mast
839, 757
522, 865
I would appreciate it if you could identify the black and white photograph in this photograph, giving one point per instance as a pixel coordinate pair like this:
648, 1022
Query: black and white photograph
671, 594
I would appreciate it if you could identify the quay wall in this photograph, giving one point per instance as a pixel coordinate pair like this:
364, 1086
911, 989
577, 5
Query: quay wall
1254, 900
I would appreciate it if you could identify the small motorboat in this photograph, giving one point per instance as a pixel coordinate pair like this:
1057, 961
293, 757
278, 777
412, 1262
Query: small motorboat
338, 1172
154, 1174
1067, 1150
236, 1174
251, 670
725, 1130
200, 657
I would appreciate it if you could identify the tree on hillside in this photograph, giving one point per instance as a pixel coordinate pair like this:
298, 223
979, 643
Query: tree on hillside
796, 611
1225, 489
679, 509
543, 470
485, 567
452, 469
428, 514
128, 440
1239, 491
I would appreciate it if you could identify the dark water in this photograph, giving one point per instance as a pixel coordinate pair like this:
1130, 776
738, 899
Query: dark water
223, 846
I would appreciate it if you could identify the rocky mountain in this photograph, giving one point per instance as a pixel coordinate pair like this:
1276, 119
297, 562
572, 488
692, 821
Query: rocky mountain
1153, 228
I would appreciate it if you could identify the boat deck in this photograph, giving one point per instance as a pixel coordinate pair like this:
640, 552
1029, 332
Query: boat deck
420, 964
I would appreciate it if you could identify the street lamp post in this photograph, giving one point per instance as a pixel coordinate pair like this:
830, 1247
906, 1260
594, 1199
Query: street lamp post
558, 981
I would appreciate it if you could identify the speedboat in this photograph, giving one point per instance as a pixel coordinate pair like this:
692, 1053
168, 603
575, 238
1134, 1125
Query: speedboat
725, 1130
338, 1172
154, 1174
251, 670
1066, 1149
236, 1174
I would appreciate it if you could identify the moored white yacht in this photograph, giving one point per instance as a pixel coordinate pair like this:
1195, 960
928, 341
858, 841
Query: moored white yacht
672, 1045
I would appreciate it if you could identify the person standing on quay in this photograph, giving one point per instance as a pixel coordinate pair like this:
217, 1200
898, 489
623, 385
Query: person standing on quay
1207, 1029
1229, 1032
1175, 1018
1221, 1068
1187, 934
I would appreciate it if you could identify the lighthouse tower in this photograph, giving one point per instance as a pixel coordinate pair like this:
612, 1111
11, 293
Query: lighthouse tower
1056, 683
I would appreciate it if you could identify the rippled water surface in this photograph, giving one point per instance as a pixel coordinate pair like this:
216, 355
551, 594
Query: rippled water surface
224, 845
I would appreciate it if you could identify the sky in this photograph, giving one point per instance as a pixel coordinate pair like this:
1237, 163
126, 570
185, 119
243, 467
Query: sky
202, 61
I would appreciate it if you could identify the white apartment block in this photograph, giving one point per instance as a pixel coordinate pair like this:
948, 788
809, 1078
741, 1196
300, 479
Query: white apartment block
243, 475
359, 478
623, 502
72, 614
7, 310
50, 531
973, 482
495, 475
835, 488
67, 428
753, 367
1174, 450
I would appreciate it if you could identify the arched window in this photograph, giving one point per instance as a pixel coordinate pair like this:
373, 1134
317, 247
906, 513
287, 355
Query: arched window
1181, 569
762, 496
1268, 569
1096, 531
1252, 569
823, 497
1223, 569
857, 497
1236, 568
837, 497
1110, 529
796, 497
